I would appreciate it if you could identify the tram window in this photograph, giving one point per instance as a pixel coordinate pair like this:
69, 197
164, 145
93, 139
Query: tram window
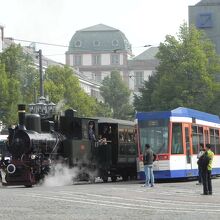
154, 133
177, 145
195, 129
217, 149
217, 141
195, 139
214, 139
200, 133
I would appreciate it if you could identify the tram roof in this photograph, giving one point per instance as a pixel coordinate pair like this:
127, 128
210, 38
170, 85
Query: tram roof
179, 112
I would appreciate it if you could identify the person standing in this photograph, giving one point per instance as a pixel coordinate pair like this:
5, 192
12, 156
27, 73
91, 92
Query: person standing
206, 162
148, 158
200, 153
91, 131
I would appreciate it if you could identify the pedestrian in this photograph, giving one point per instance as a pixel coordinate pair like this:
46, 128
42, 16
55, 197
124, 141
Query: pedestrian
206, 166
148, 158
200, 153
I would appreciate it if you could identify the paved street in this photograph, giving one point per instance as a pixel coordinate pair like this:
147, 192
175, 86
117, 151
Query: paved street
120, 200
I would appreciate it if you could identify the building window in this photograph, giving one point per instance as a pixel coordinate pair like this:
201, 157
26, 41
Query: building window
77, 60
94, 93
115, 43
138, 79
78, 43
96, 43
127, 45
96, 59
115, 59
204, 20
97, 77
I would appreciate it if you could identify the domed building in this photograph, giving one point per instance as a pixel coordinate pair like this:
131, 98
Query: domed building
96, 51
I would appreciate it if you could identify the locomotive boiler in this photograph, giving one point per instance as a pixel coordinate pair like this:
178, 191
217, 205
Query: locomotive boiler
37, 144
31, 149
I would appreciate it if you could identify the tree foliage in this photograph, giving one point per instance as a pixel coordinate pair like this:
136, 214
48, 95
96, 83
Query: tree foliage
20, 66
16, 68
103, 110
63, 88
116, 94
185, 76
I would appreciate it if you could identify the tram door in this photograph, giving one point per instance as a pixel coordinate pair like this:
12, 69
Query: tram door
187, 145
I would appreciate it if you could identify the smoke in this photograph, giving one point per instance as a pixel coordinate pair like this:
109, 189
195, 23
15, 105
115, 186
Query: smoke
60, 175
60, 104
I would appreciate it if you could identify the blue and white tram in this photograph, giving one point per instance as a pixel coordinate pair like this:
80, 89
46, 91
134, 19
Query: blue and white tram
175, 137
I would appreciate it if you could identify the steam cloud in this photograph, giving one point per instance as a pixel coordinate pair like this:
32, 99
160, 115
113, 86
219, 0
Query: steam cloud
60, 175
60, 104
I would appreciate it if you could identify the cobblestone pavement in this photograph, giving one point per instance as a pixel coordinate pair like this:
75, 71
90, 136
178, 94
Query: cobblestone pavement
120, 200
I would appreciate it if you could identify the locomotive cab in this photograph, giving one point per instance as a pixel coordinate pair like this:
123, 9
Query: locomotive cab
79, 149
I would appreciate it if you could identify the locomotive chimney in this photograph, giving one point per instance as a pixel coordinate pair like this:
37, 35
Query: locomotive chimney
21, 116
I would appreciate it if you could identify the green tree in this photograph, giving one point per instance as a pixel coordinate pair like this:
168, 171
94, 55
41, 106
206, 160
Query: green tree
185, 76
20, 66
103, 110
20, 75
4, 94
116, 94
63, 87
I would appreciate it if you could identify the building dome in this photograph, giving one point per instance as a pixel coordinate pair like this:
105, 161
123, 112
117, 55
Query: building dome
99, 38
208, 2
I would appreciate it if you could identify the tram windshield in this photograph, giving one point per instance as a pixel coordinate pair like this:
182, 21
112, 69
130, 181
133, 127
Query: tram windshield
155, 133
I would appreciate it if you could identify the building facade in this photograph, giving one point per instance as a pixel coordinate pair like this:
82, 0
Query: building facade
141, 67
96, 51
205, 15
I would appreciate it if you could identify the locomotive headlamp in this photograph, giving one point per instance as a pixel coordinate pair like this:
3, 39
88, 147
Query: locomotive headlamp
33, 156
11, 168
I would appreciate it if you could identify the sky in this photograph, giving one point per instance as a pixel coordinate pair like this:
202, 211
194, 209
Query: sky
56, 21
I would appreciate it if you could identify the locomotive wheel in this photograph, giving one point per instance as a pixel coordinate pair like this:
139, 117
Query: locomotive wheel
125, 177
105, 179
92, 179
28, 186
114, 178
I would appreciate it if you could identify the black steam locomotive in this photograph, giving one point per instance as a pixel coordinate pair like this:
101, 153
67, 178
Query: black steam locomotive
98, 147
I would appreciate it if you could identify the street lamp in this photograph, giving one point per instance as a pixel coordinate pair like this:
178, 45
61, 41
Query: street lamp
42, 107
